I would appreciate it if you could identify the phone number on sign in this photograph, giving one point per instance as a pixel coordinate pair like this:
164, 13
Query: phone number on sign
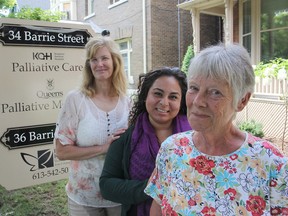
49, 173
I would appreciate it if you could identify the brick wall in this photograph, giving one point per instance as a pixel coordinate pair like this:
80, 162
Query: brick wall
126, 21
164, 33
211, 30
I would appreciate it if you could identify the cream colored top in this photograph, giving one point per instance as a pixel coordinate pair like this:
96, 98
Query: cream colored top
82, 122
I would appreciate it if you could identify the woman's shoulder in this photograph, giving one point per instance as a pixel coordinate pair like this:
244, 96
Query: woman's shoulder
263, 144
75, 94
183, 134
178, 139
126, 101
125, 98
74, 98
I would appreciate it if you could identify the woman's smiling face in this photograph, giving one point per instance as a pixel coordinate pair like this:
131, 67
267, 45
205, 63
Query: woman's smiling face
102, 64
163, 100
210, 104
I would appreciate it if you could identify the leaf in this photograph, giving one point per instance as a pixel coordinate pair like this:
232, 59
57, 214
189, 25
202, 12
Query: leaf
30, 160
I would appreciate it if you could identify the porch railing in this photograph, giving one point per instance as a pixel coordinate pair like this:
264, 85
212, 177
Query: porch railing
271, 86
268, 106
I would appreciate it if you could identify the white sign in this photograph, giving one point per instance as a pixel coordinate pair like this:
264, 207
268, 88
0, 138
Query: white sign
40, 62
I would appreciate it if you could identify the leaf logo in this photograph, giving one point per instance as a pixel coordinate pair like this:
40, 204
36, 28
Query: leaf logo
43, 160
50, 84
30, 160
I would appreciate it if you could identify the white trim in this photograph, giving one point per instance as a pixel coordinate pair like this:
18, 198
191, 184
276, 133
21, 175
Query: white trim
117, 3
89, 16
241, 21
254, 25
195, 16
90, 9
256, 40
127, 51
144, 36
228, 30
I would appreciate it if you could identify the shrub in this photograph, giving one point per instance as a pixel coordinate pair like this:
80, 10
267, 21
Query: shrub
276, 68
37, 14
187, 58
252, 127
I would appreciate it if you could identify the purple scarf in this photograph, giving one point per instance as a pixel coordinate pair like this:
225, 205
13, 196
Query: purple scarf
144, 149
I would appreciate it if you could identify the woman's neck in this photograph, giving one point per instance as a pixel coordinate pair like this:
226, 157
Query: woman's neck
220, 143
105, 88
163, 133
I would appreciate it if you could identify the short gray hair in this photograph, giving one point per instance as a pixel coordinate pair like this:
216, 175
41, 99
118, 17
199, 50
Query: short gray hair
230, 63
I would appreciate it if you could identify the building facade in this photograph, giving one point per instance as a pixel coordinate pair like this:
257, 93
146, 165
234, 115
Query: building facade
155, 33
150, 33
68, 7
260, 25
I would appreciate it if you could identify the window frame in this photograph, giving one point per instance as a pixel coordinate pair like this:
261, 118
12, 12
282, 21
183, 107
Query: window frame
116, 3
255, 28
127, 51
90, 9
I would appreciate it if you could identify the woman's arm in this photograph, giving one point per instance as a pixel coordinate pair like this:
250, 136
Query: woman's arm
155, 209
65, 134
74, 152
114, 182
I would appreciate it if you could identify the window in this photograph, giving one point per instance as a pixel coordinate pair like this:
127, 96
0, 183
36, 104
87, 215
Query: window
247, 25
114, 3
265, 28
126, 49
66, 10
89, 6
274, 29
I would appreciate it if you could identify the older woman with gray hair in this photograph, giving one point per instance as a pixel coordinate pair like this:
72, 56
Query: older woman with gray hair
217, 169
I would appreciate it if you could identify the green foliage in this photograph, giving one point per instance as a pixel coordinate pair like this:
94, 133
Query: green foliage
37, 14
187, 58
252, 127
274, 41
7, 3
41, 200
272, 68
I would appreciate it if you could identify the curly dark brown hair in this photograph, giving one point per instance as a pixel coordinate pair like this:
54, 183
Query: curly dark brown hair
145, 83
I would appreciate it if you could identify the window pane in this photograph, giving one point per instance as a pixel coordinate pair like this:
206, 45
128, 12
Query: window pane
92, 6
125, 50
274, 29
125, 60
247, 42
274, 14
247, 17
123, 45
274, 44
113, 1
66, 6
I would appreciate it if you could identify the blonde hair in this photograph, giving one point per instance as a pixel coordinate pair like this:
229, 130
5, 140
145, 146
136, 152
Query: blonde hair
119, 81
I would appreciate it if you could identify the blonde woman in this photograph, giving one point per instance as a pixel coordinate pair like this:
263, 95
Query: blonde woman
91, 118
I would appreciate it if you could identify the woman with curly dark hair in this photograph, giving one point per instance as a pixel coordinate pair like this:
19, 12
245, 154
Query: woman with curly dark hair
158, 112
